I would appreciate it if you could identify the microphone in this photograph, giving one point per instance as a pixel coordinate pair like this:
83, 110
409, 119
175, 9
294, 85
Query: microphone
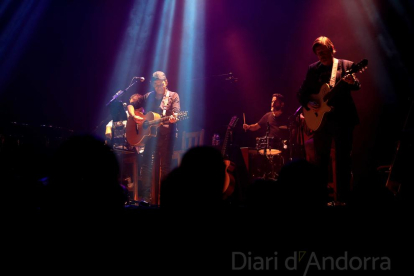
140, 78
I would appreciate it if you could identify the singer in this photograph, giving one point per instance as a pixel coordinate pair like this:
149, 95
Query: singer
272, 121
159, 148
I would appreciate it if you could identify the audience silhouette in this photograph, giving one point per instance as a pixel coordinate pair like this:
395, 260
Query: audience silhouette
299, 186
84, 177
197, 183
371, 192
302, 185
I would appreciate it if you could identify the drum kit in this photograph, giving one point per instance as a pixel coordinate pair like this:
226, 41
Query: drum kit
270, 154
269, 160
119, 141
119, 117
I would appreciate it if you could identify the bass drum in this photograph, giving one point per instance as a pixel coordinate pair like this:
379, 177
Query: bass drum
265, 166
254, 162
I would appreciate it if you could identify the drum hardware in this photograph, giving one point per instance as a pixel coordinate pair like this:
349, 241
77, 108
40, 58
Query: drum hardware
119, 140
269, 152
263, 148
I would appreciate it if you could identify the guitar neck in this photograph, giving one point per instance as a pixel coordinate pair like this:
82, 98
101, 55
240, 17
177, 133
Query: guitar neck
354, 69
226, 139
156, 122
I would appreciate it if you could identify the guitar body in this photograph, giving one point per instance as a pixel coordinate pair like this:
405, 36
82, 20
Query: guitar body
229, 180
138, 134
314, 119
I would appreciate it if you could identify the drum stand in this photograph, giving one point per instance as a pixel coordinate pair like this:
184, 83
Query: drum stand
272, 175
265, 146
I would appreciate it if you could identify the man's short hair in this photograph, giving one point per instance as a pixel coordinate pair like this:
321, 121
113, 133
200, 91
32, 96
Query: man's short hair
159, 75
323, 40
279, 96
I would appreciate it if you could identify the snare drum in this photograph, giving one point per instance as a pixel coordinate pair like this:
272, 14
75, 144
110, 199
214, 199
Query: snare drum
270, 151
265, 143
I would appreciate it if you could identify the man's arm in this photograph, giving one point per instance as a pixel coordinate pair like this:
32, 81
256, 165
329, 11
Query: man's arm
256, 126
252, 127
175, 108
135, 100
352, 80
131, 111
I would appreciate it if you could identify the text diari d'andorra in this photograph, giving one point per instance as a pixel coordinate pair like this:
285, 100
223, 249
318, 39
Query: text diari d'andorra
299, 260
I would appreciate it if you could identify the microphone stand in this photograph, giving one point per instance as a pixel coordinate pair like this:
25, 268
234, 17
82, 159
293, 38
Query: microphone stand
294, 122
120, 92
296, 112
114, 97
394, 185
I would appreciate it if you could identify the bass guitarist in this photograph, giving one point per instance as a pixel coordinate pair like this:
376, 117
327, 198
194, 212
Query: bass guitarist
166, 103
338, 124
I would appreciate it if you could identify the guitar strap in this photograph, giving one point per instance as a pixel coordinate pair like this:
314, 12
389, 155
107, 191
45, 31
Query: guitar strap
165, 102
333, 75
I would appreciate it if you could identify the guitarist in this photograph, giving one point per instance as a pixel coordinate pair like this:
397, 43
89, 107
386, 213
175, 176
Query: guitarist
165, 103
338, 125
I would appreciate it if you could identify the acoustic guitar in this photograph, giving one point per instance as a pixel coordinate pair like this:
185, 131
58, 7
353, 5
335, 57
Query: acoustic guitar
315, 119
138, 134
229, 180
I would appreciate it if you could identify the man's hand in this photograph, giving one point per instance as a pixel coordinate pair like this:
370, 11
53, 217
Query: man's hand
246, 127
350, 78
138, 119
172, 119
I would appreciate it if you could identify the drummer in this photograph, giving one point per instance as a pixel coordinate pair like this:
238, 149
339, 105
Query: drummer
272, 121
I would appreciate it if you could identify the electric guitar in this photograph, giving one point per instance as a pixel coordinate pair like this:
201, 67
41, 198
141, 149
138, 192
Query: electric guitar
229, 180
138, 134
314, 119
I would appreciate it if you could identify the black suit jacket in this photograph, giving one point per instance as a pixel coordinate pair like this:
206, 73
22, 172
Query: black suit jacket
344, 112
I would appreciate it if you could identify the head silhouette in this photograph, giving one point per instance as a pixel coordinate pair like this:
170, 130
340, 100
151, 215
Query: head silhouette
198, 182
301, 182
84, 176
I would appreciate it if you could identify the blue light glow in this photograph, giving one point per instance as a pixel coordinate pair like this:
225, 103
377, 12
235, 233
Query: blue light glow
134, 46
17, 33
192, 60
162, 47
153, 17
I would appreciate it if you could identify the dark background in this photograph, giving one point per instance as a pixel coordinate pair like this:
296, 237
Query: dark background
58, 57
